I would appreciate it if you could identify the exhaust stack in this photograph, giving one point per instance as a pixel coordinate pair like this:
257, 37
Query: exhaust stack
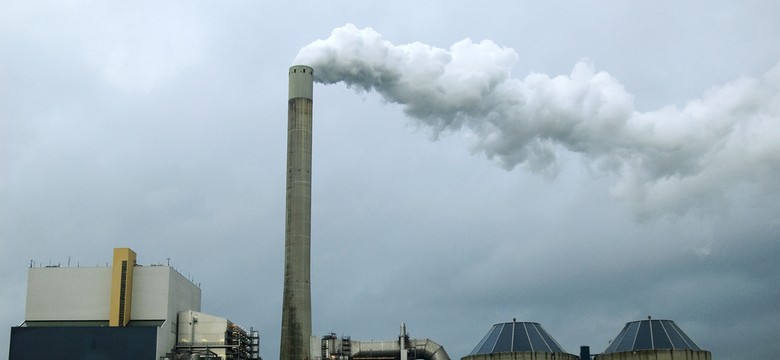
296, 301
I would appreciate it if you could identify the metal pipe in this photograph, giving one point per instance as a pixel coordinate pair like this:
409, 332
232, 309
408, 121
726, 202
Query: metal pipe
424, 348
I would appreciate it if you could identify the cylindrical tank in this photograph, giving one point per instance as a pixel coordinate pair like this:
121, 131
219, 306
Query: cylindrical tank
653, 340
657, 355
518, 341
296, 301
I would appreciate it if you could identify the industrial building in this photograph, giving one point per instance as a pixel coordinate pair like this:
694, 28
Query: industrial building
125, 311
211, 336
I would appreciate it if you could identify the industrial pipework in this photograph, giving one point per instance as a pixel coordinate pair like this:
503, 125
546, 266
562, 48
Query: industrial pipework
401, 349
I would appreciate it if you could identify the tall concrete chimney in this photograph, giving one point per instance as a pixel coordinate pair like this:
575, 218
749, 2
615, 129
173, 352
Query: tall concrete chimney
296, 303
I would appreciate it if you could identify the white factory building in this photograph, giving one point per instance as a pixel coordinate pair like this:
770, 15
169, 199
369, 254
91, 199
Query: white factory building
123, 311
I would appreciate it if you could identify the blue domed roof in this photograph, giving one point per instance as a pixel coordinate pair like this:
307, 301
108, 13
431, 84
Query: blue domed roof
651, 335
517, 337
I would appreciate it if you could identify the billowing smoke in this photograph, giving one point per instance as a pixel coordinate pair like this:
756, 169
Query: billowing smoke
709, 153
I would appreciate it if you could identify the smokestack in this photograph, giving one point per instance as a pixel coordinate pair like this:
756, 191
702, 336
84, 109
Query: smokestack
296, 303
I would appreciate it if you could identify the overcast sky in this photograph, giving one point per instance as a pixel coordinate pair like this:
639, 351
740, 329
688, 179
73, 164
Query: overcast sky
576, 164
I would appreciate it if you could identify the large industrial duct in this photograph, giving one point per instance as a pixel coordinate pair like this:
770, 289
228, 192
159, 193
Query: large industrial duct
418, 349
401, 349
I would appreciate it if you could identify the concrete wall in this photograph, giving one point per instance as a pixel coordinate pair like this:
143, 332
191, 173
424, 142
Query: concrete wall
151, 293
160, 293
658, 355
68, 294
183, 294
83, 293
536, 355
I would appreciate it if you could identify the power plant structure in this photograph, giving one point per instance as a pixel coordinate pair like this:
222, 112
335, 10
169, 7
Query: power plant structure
296, 300
129, 311
123, 311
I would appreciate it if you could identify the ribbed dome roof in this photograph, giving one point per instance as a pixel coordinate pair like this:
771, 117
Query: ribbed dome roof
516, 337
651, 335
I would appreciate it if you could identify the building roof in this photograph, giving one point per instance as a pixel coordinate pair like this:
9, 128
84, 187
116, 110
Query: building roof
517, 337
651, 335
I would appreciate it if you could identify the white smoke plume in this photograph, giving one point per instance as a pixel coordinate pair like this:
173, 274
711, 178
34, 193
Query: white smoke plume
713, 150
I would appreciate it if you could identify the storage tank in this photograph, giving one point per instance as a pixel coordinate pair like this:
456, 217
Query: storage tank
653, 340
518, 341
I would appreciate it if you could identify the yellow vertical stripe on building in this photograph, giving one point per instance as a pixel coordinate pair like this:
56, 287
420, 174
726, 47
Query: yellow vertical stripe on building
121, 286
